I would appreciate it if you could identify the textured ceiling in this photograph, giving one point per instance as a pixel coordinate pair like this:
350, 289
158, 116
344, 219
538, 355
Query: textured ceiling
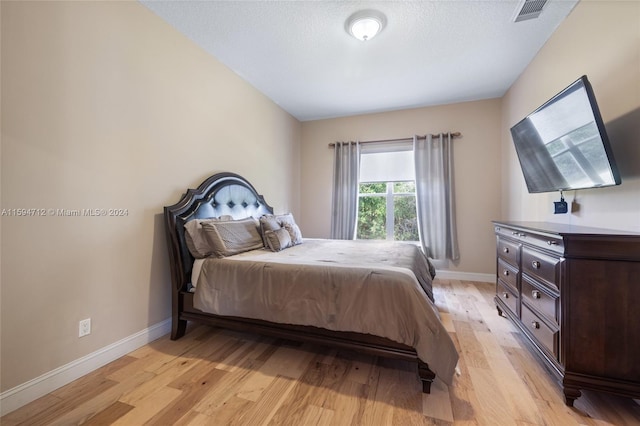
430, 53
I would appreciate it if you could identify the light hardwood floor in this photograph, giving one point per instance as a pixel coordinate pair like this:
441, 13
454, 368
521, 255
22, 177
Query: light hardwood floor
217, 377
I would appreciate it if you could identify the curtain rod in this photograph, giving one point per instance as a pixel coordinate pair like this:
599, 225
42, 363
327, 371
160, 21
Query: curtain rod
453, 135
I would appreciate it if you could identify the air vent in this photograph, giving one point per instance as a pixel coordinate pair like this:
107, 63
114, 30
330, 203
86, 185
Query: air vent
529, 9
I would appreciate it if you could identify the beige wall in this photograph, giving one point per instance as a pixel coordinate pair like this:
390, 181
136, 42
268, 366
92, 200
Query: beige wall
106, 106
602, 40
477, 168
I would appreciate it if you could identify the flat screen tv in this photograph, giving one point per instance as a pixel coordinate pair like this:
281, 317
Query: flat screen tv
563, 145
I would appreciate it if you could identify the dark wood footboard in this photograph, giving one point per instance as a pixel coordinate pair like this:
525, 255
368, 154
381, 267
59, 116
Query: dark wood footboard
363, 343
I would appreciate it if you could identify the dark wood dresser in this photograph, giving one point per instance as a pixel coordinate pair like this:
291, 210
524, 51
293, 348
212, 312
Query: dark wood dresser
574, 292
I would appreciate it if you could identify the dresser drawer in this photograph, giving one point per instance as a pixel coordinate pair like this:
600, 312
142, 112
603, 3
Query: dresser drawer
508, 251
508, 274
546, 336
545, 241
507, 297
540, 299
541, 266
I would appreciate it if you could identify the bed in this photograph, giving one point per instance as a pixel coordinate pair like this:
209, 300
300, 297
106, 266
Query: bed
372, 297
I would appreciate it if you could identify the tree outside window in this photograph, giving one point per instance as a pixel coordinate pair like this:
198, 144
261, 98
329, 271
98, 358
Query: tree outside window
387, 211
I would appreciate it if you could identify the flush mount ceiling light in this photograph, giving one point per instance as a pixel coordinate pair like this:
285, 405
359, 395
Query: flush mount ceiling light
365, 24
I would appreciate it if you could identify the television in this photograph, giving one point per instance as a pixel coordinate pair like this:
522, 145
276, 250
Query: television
563, 145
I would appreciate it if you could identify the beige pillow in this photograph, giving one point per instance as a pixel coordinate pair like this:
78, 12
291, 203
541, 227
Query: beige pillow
278, 240
194, 236
268, 222
271, 222
232, 237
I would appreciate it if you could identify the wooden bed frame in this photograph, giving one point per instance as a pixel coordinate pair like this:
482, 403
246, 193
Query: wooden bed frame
230, 194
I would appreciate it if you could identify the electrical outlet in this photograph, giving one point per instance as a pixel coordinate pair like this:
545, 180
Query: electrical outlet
84, 327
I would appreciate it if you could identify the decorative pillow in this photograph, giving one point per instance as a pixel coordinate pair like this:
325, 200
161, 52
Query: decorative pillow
285, 218
194, 236
294, 233
268, 222
227, 238
278, 240
271, 222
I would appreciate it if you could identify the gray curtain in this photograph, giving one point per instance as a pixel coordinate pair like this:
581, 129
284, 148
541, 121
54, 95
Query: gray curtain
435, 198
344, 205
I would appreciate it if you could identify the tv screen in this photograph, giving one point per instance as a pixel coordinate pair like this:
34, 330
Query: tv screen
563, 145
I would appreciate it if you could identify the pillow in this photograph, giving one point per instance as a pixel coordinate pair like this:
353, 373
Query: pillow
271, 222
294, 233
194, 237
278, 240
285, 218
268, 222
226, 238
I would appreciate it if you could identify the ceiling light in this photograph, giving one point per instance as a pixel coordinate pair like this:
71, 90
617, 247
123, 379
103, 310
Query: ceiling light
366, 24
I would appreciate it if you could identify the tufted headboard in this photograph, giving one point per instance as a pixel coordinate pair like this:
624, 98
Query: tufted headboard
221, 194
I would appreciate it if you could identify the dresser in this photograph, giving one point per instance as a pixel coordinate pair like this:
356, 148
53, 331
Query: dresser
574, 293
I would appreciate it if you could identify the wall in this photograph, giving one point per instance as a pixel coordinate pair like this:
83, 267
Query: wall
476, 164
106, 106
602, 40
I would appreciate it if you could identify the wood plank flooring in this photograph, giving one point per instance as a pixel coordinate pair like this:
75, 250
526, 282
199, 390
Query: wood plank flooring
217, 377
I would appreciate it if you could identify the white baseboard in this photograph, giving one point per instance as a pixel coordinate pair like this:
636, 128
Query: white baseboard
27, 392
465, 276
20, 395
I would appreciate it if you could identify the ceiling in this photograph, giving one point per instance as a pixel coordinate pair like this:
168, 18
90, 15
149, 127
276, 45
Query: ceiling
299, 54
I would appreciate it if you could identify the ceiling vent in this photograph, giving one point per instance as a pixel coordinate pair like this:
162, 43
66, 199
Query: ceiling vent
529, 9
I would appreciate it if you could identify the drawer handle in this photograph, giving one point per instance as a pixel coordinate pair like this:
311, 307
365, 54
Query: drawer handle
552, 243
515, 233
535, 264
535, 324
505, 295
505, 273
505, 250
522, 235
535, 294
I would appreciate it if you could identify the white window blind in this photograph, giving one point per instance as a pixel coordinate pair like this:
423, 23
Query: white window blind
395, 166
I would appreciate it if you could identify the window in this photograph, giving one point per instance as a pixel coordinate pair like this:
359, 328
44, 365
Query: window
387, 193
387, 210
